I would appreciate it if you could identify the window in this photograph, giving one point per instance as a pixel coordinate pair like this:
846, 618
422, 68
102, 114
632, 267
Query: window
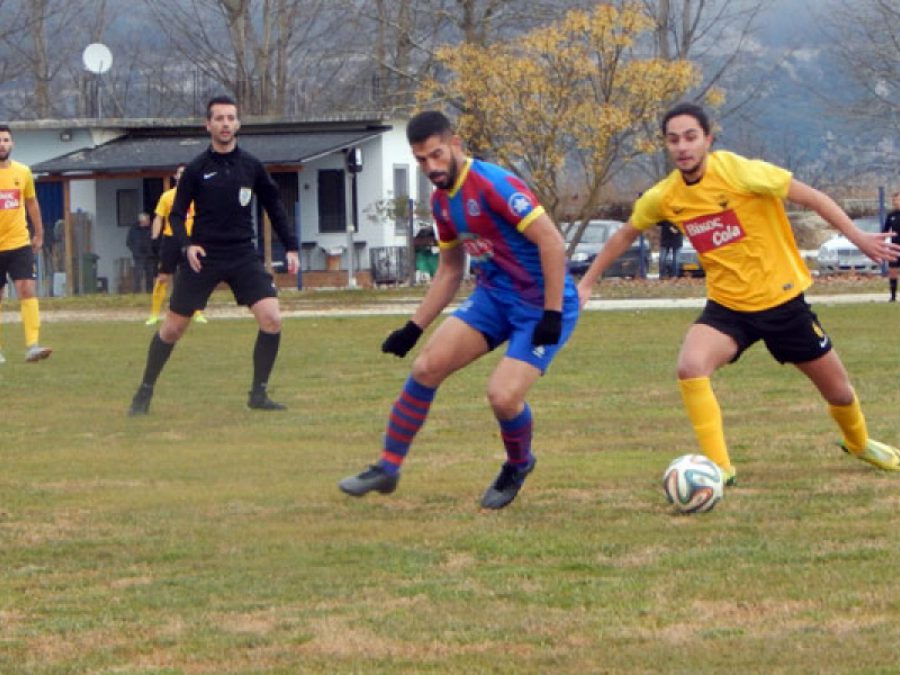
126, 207
424, 188
401, 197
332, 201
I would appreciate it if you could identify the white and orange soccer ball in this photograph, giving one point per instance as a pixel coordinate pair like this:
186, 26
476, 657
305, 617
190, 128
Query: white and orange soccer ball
693, 484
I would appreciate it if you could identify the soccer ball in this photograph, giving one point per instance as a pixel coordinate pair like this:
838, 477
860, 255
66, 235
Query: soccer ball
693, 483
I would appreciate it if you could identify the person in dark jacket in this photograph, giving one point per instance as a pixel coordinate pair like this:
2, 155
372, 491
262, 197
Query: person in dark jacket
670, 241
221, 182
140, 243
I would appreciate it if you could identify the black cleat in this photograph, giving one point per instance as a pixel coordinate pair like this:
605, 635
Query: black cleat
140, 404
373, 478
507, 484
259, 400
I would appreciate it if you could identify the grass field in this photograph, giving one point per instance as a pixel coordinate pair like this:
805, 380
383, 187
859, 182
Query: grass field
206, 538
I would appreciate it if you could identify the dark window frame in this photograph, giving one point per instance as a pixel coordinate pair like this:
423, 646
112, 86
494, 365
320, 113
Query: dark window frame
332, 200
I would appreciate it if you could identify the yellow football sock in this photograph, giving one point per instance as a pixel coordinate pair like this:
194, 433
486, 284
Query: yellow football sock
31, 320
852, 423
158, 297
706, 418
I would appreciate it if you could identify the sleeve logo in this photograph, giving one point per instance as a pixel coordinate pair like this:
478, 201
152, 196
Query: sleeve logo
519, 204
708, 233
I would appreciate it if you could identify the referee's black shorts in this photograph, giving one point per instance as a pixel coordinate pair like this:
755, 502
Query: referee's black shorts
242, 270
791, 331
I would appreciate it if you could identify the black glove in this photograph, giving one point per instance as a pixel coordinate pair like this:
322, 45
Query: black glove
402, 340
549, 329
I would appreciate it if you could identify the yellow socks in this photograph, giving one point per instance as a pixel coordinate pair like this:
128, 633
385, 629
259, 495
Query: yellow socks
706, 417
158, 297
852, 423
31, 320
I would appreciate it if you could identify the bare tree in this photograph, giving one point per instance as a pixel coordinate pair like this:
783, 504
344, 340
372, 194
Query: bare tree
260, 50
866, 39
717, 35
42, 37
407, 34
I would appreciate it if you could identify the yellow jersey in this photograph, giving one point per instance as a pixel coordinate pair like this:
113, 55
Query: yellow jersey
164, 208
16, 187
735, 218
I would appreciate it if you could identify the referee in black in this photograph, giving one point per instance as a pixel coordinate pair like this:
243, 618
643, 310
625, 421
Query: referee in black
221, 182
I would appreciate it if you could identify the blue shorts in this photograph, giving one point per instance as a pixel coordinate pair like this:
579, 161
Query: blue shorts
501, 320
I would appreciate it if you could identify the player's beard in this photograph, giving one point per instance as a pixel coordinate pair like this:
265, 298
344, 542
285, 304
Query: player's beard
5, 155
451, 174
694, 173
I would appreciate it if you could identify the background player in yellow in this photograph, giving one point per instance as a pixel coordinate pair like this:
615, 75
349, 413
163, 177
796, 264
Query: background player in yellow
169, 250
731, 209
17, 245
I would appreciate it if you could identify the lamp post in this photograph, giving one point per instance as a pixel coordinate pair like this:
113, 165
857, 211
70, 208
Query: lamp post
354, 166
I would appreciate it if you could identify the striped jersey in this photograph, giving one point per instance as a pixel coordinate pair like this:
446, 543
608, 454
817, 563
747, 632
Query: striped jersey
486, 212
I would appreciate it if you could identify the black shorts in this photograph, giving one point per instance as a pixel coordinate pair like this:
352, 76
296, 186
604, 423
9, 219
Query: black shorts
169, 255
18, 263
243, 271
791, 332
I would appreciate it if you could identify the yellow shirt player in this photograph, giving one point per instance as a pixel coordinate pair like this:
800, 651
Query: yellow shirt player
17, 246
169, 250
731, 208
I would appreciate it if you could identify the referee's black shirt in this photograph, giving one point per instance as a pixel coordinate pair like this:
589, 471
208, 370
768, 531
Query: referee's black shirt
222, 187
892, 225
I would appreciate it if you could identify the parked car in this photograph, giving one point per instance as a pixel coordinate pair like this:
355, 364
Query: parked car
689, 261
592, 240
839, 254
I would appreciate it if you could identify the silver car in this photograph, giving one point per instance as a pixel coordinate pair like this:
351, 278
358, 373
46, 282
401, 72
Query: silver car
634, 262
689, 261
839, 254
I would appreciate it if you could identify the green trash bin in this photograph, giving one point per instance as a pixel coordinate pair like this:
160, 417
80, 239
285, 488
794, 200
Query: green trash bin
88, 280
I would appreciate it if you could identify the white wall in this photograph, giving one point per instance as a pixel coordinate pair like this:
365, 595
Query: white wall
98, 197
374, 184
36, 145
108, 237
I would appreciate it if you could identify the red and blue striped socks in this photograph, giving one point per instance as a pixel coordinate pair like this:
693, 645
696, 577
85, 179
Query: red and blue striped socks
407, 417
516, 435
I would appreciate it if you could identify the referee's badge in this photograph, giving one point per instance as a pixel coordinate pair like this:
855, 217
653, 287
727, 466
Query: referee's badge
245, 195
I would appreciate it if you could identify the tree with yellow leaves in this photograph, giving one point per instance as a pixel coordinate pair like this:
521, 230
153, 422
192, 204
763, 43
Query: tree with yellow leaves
563, 104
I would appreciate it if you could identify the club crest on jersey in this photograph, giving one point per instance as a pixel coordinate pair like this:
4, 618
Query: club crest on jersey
708, 233
472, 208
10, 200
519, 204
245, 195
479, 249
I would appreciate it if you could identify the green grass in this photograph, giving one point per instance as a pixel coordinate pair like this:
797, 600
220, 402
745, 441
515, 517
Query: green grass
206, 538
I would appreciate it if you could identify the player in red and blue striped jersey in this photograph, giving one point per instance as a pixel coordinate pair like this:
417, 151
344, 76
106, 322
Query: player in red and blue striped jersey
523, 297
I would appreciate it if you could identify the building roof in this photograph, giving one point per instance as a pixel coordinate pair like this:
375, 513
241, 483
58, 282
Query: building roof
140, 152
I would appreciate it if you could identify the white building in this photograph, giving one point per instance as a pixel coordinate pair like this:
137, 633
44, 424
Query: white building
95, 176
